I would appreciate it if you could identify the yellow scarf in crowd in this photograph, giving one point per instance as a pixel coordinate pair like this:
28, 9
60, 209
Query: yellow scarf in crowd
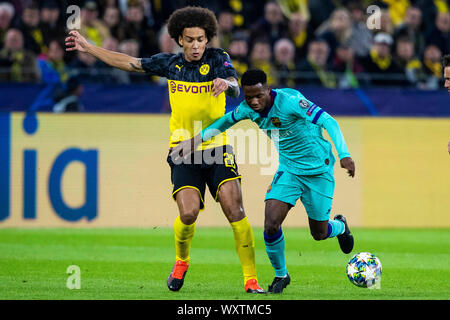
382, 63
434, 67
328, 79
300, 39
16, 67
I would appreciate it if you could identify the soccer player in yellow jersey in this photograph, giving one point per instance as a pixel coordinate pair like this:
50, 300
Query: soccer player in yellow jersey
198, 79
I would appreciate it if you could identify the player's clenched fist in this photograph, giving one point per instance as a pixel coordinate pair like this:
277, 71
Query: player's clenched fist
75, 41
219, 86
349, 164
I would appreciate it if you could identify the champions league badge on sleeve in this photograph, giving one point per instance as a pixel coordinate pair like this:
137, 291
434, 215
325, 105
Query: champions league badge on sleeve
304, 104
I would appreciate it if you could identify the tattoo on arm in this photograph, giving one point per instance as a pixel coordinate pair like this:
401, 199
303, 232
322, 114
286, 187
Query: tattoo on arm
138, 66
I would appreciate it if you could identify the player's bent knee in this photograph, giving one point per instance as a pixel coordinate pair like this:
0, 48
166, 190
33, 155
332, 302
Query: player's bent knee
319, 235
234, 214
189, 217
271, 228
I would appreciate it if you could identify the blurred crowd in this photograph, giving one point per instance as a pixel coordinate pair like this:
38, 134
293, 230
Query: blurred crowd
329, 43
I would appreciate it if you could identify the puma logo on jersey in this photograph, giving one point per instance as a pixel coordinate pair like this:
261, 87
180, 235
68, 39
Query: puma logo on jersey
178, 67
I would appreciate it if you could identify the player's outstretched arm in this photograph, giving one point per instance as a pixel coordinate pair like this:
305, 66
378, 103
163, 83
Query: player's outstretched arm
186, 147
335, 133
76, 42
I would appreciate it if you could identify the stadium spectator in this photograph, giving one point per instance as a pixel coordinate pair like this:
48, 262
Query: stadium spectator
289, 8
271, 26
245, 12
20, 64
238, 51
261, 58
440, 34
50, 18
396, 10
53, 74
342, 23
113, 20
69, 100
380, 64
320, 11
412, 28
432, 67
407, 60
7, 12
136, 28
166, 43
386, 24
299, 33
33, 35
314, 69
284, 54
130, 47
107, 74
337, 30
225, 31
93, 28
346, 67
361, 35
84, 66
52, 66
158, 12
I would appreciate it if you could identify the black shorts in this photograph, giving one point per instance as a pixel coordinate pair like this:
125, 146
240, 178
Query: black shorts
211, 167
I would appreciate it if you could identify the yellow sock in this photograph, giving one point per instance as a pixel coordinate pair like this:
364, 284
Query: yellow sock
245, 247
183, 237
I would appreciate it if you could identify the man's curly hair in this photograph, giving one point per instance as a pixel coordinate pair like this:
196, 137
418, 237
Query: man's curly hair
191, 17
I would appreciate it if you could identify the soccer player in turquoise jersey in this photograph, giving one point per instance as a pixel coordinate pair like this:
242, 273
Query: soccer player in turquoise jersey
306, 168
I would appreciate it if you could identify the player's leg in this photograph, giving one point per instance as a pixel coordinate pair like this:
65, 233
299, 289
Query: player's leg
225, 186
188, 192
318, 199
230, 198
338, 227
188, 201
281, 196
321, 230
275, 213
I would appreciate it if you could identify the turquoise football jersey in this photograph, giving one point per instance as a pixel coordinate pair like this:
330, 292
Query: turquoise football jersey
295, 125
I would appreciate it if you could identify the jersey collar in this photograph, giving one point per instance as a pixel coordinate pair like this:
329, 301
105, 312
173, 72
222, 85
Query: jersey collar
265, 113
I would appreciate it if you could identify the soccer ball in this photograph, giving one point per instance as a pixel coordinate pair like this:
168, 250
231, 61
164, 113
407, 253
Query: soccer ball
364, 270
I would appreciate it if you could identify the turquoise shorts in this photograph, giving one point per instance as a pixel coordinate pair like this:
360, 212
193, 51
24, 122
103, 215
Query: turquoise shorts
315, 192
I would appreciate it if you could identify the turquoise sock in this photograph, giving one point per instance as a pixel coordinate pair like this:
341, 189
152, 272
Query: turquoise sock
335, 228
275, 252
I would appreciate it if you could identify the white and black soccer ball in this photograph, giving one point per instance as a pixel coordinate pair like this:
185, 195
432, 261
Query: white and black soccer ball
364, 270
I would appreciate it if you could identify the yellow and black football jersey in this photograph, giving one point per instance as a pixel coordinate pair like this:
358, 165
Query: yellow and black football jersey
190, 92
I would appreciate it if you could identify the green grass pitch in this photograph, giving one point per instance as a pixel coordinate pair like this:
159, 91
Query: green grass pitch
135, 263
